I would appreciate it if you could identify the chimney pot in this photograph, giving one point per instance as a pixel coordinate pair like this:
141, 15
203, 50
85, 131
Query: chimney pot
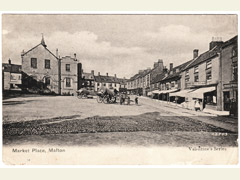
9, 61
98, 73
75, 56
115, 75
107, 74
92, 72
56, 52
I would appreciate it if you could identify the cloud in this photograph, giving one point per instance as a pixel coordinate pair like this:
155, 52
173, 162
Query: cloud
96, 55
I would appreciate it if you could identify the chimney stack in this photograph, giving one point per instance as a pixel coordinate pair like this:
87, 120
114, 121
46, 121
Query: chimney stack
115, 75
195, 53
92, 72
56, 52
107, 74
9, 61
171, 66
216, 41
98, 73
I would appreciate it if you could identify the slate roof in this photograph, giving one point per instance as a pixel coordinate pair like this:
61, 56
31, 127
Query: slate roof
36, 47
158, 78
230, 41
13, 68
205, 56
139, 75
87, 75
109, 79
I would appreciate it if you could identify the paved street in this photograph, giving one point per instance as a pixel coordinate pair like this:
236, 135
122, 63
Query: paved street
73, 121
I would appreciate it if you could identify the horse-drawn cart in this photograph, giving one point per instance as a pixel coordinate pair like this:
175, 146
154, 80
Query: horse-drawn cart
108, 96
83, 93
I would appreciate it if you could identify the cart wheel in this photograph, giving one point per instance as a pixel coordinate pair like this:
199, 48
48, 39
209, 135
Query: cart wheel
99, 99
79, 96
105, 100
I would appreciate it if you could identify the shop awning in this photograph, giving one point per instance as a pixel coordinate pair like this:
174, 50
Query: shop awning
155, 92
149, 93
183, 93
198, 93
168, 91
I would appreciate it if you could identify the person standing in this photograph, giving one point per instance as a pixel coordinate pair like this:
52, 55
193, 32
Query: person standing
136, 100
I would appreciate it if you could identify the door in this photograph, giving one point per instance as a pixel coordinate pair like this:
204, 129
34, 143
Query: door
226, 100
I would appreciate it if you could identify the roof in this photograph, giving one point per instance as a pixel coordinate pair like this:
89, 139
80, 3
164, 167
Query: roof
108, 79
141, 74
175, 74
204, 57
36, 47
13, 68
158, 78
230, 41
87, 75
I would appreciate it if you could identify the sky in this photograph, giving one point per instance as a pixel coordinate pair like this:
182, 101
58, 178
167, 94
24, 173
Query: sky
116, 44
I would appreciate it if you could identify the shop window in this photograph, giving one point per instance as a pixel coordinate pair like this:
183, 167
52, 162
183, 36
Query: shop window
68, 82
47, 64
34, 63
67, 67
209, 64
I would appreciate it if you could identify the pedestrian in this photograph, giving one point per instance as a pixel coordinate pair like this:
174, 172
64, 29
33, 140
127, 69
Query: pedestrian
121, 99
128, 100
136, 100
197, 105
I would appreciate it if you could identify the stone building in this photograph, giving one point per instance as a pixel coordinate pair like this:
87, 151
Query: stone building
69, 75
40, 68
201, 78
11, 76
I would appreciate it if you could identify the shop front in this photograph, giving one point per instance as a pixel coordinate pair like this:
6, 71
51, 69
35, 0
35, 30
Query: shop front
206, 97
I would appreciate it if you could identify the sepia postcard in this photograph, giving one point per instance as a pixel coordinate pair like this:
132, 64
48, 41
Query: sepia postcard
119, 89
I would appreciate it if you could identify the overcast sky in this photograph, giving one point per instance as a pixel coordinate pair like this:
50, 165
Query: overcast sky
121, 44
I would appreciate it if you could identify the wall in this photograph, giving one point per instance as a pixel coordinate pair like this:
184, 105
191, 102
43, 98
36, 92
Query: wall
6, 80
202, 74
40, 72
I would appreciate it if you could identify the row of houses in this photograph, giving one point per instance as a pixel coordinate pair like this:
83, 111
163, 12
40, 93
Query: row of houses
43, 71
210, 78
